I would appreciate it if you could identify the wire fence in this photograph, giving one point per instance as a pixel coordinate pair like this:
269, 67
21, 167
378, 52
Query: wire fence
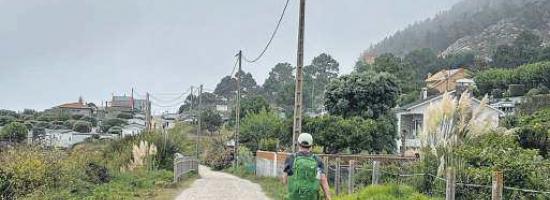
348, 177
349, 173
184, 165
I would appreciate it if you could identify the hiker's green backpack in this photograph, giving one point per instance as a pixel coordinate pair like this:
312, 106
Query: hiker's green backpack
303, 184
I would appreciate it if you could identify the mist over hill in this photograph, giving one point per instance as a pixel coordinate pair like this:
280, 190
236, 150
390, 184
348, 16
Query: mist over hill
477, 26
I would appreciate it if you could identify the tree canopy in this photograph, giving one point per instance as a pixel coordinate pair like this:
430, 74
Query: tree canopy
212, 120
368, 95
279, 77
14, 132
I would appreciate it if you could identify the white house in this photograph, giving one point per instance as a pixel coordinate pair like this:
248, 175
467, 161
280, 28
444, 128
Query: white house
411, 119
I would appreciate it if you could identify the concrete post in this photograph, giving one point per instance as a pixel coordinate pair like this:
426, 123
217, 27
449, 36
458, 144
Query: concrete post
451, 184
338, 178
375, 172
351, 177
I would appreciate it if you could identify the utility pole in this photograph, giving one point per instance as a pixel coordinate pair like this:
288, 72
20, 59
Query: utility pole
148, 113
297, 128
199, 129
238, 110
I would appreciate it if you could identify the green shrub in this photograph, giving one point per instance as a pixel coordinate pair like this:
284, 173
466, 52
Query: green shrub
92, 120
82, 127
77, 117
124, 116
107, 124
4, 120
115, 130
14, 132
385, 192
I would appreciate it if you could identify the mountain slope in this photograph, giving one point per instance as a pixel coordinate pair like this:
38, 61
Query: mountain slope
471, 25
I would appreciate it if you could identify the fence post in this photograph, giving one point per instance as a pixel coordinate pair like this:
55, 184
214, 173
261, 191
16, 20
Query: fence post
275, 156
451, 184
325, 159
351, 177
175, 168
337, 178
375, 172
498, 185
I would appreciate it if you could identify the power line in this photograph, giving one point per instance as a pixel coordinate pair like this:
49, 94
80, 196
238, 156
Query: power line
173, 99
270, 39
234, 67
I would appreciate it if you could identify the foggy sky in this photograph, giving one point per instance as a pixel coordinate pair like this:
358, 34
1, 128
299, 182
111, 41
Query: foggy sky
53, 51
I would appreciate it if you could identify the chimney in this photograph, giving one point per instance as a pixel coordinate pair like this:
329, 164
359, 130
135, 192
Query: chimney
424, 93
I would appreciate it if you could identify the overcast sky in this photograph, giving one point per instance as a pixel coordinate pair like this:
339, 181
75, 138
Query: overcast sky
53, 51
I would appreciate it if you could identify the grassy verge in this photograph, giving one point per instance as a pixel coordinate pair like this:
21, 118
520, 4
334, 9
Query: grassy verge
120, 169
272, 187
169, 192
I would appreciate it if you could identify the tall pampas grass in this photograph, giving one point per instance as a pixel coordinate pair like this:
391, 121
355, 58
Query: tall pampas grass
140, 153
451, 123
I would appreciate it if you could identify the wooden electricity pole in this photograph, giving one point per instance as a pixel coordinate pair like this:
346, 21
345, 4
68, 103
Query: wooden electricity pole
298, 106
199, 125
238, 110
148, 113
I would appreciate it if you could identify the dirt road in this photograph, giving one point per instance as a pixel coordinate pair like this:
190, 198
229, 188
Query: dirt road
221, 186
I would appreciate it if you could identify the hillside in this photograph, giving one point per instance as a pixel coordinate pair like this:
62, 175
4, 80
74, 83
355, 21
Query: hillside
471, 25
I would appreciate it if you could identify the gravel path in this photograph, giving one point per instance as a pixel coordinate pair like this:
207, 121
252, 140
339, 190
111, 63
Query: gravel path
221, 186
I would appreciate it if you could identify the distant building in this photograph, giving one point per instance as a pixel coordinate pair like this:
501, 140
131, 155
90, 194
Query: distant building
507, 105
411, 119
121, 102
446, 80
72, 109
370, 59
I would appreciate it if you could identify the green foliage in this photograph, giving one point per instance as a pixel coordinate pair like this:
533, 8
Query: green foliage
368, 95
6, 119
279, 76
409, 98
534, 132
534, 103
82, 127
251, 105
107, 124
124, 115
522, 168
525, 49
256, 127
14, 132
77, 117
336, 134
404, 71
317, 75
212, 120
190, 101
509, 121
38, 132
92, 120
385, 192
530, 76
117, 130
227, 87
92, 170
12, 113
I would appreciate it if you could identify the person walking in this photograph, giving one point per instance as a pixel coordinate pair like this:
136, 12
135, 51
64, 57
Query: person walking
304, 172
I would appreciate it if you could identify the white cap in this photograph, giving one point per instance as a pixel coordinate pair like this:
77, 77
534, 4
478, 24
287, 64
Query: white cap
305, 140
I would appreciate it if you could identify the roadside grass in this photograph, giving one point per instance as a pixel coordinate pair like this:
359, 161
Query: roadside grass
272, 187
95, 169
171, 191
